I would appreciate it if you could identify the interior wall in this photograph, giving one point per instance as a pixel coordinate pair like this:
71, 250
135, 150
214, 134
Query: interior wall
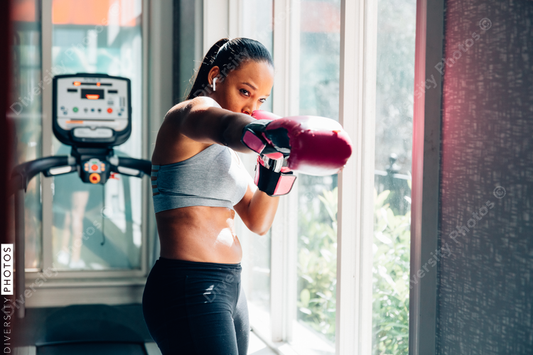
485, 295
187, 46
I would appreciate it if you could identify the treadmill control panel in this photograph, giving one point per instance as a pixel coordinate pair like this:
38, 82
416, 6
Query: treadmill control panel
92, 109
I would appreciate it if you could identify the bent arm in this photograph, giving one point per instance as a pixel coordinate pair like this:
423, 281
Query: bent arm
257, 210
203, 120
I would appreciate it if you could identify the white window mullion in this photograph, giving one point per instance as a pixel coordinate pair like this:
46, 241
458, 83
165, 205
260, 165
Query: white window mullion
46, 183
356, 182
216, 22
285, 228
235, 18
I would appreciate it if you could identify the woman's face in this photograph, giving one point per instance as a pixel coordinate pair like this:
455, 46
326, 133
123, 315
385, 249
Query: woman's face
244, 89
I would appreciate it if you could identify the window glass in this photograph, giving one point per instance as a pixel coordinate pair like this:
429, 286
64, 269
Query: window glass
25, 112
394, 117
317, 232
98, 227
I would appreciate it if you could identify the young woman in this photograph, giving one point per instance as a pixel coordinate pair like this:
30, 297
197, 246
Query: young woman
193, 302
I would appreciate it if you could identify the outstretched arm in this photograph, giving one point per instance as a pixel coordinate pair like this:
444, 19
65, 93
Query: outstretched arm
203, 120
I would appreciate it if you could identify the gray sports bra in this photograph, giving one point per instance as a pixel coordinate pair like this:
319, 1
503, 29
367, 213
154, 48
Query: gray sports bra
214, 177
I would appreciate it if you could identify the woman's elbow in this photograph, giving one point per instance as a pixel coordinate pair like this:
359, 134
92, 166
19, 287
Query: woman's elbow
259, 228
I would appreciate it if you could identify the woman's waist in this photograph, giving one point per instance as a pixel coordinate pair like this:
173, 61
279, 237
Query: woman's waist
196, 220
204, 234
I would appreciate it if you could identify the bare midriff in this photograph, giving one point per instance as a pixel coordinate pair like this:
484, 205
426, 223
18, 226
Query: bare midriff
199, 233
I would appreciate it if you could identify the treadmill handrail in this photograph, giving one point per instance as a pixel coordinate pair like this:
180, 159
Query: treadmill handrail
23, 173
142, 165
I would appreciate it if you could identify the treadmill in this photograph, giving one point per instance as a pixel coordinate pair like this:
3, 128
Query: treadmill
91, 114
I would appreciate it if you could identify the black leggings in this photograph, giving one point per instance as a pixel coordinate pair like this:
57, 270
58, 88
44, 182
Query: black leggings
196, 308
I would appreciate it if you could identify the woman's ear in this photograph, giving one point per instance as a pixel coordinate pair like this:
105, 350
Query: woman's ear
213, 73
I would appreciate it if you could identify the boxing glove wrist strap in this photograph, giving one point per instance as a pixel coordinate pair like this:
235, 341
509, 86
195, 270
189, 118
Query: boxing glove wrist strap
271, 178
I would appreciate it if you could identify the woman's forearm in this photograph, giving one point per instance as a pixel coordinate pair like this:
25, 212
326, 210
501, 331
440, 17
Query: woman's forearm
261, 212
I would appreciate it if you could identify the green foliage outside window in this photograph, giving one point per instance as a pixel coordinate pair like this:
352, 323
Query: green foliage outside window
317, 266
390, 286
317, 273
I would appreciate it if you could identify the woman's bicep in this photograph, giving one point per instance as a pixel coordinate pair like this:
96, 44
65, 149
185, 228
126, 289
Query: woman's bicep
203, 120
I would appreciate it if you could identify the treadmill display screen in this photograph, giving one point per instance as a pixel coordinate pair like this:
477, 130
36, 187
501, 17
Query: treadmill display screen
92, 94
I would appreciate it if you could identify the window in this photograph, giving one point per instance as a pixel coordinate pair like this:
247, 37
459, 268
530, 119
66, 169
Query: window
98, 227
339, 255
76, 226
392, 221
317, 195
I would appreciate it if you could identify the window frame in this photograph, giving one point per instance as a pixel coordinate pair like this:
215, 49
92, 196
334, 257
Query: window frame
356, 181
108, 286
425, 192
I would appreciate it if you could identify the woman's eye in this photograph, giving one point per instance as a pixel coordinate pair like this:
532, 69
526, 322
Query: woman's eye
245, 92
262, 101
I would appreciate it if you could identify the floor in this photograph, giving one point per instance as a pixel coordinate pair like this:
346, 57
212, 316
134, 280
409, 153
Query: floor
257, 347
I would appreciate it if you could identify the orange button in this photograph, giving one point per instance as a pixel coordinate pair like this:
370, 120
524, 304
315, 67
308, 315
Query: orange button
110, 110
94, 178
94, 167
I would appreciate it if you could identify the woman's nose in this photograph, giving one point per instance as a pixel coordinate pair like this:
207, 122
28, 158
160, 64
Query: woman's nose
250, 108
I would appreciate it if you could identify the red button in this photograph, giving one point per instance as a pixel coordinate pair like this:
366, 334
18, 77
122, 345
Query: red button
94, 178
110, 110
94, 167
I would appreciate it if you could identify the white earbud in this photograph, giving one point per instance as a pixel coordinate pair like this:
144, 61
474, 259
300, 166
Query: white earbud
214, 83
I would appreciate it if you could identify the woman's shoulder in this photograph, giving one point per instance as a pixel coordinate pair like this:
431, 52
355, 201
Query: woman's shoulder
182, 151
179, 111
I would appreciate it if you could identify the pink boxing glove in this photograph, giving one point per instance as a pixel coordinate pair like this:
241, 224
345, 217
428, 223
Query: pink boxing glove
314, 145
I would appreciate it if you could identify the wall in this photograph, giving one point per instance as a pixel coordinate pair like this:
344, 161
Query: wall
485, 295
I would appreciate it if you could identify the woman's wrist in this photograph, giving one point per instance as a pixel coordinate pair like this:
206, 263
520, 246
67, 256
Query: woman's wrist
233, 130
